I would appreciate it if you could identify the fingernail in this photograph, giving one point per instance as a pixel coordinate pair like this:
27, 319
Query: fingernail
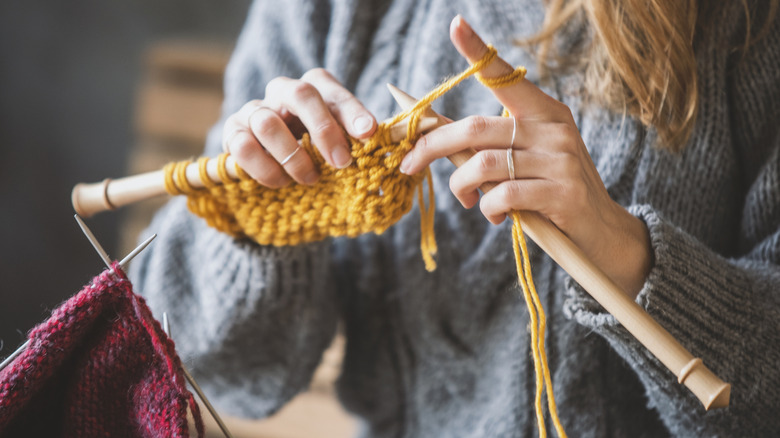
341, 158
311, 177
406, 163
362, 124
464, 24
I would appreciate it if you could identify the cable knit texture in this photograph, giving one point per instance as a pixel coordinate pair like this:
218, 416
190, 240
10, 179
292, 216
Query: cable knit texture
446, 354
101, 366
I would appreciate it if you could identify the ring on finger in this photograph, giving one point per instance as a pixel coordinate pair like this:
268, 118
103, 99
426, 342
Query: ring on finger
510, 161
289, 157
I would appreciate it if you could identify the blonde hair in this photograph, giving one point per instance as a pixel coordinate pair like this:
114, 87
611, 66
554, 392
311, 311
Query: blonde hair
640, 58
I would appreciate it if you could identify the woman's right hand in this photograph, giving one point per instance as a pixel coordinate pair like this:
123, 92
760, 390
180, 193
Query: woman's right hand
262, 135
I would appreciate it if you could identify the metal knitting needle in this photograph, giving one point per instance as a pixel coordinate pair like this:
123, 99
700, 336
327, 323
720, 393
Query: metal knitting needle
167, 328
136, 251
102, 252
13, 355
106, 260
93, 240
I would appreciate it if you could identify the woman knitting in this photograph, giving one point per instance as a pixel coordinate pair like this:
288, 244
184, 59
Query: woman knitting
646, 131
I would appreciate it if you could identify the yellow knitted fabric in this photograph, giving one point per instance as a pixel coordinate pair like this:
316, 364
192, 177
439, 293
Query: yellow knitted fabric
369, 195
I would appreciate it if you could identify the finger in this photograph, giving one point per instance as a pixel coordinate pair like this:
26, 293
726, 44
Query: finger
304, 100
272, 133
237, 122
347, 109
491, 165
476, 132
526, 194
457, 136
523, 99
255, 161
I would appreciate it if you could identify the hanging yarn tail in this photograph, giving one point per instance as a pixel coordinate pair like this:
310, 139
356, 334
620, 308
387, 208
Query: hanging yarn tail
428, 238
538, 323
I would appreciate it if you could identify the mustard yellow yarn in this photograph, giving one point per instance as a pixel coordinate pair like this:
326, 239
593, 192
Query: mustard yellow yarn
370, 195
538, 323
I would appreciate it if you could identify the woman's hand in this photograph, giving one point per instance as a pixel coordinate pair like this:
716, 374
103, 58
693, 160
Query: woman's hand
262, 135
553, 172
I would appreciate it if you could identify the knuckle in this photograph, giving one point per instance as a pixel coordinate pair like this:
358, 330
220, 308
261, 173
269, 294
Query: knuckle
230, 123
250, 105
562, 134
315, 73
274, 177
568, 164
456, 186
275, 84
565, 111
476, 125
242, 147
487, 160
569, 131
569, 195
325, 127
341, 97
422, 145
264, 123
303, 91
487, 206
509, 191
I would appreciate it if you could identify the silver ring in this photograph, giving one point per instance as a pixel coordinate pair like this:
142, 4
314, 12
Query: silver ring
510, 161
289, 157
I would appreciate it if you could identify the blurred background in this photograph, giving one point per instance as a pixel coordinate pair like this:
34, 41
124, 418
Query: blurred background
72, 78
93, 89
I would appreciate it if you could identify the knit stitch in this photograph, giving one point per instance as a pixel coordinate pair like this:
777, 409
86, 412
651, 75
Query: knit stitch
369, 195
101, 366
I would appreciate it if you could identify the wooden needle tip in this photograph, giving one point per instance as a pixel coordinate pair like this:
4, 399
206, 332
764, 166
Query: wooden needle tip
404, 99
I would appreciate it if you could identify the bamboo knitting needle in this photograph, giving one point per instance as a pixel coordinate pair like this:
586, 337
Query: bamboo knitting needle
109, 194
103, 256
708, 388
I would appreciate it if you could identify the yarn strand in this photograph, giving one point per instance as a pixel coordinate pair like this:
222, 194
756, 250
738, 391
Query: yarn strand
538, 322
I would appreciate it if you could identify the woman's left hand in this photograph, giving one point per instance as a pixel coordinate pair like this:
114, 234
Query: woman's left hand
553, 172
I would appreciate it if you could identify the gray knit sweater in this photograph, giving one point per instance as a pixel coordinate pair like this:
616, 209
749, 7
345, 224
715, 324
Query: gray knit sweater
446, 354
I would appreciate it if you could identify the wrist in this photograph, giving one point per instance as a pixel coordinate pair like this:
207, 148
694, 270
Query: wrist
635, 255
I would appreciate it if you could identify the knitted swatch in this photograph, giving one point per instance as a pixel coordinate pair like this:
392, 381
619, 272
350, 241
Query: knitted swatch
101, 366
369, 195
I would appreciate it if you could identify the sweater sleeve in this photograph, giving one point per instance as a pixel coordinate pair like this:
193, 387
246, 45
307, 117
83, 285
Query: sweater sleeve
724, 309
251, 322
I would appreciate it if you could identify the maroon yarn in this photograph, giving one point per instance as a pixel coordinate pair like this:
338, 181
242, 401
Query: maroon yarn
101, 366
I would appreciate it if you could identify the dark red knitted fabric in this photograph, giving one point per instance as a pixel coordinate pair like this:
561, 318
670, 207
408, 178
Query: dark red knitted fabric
101, 366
